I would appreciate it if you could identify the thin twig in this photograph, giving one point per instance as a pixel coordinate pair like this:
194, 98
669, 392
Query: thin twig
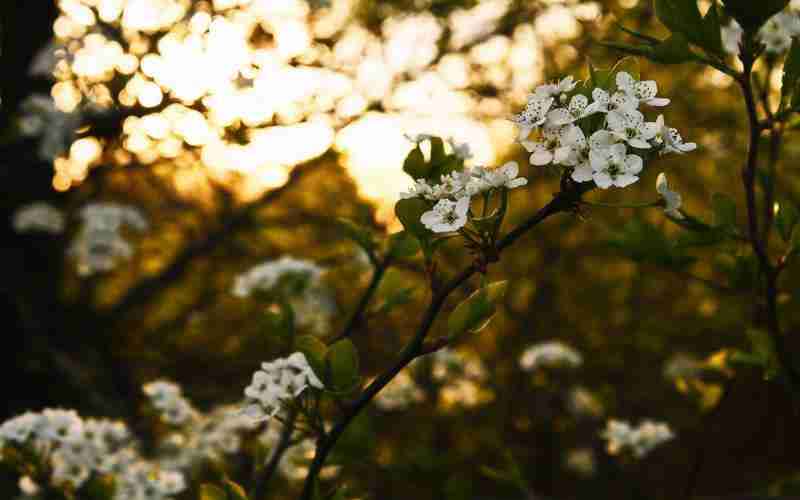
284, 442
355, 319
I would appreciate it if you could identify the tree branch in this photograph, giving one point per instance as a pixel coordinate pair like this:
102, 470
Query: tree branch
144, 290
563, 201
757, 242
284, 442
355, 319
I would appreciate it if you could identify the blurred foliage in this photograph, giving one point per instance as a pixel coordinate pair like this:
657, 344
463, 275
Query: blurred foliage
627, 288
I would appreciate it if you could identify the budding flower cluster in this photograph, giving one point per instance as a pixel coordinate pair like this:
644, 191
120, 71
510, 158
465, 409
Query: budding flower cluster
603, 140
168, 401
453, 193
639, 441
276, 383
296, 281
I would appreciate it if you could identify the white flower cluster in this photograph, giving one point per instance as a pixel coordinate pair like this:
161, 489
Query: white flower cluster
38, 216
547, 354
297, 281
40, 117
453, 193
76, 448
640, 441
99, 244
607, 150
168, 401
277, 382
776, 34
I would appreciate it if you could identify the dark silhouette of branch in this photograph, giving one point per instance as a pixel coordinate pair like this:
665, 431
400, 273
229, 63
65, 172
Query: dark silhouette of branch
355, 319
145, 289
758, 243
284, 442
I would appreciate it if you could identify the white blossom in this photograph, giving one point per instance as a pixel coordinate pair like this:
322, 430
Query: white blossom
672, 199
670, 139
644, 92
612, 166
543, 151
629, 126
38, 216
534, 114
578, 108
505, 176
447, 216
551, 353
276, 382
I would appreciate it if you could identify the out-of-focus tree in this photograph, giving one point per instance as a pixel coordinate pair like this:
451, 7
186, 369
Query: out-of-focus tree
181, 143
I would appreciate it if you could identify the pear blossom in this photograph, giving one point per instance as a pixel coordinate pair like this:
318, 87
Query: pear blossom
578, 108
447, 215
534, 114
506, 176
643, 91
612, 166
566, 84
278, 381
574, 151
672, 199
670, 139
604, 102
421, 188
542, 152
416, 139
629, 126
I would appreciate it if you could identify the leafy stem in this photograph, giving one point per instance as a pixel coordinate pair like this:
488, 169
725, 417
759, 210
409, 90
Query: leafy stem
564, 201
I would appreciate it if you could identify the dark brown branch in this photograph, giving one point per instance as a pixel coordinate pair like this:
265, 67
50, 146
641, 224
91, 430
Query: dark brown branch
758, 243
355, 319
284, 442
144, 290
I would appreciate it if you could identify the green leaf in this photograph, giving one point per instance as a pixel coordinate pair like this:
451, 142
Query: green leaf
396, 298
235, 492
786, 220
438, 155
409, 211
211, 492
403, 245
724, 211
342, 361
680, 16
791, 70
712, 32
414, 164
476, 311
673, 50
315, 352
752, 14
359, 234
